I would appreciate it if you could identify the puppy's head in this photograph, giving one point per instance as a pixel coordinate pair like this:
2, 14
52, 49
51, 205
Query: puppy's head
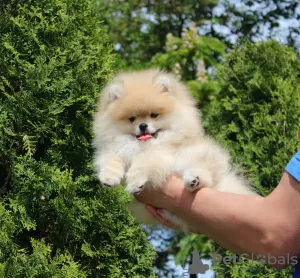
147, 104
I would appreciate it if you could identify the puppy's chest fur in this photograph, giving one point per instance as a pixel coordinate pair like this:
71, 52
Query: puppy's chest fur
128, 147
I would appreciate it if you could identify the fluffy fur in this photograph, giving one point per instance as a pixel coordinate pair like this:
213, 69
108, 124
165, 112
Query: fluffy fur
178, 144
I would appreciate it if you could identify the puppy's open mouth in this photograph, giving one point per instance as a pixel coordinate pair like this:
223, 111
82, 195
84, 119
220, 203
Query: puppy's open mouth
146, 136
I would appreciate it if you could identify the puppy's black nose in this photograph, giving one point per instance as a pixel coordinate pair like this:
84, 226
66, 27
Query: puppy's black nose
143, 127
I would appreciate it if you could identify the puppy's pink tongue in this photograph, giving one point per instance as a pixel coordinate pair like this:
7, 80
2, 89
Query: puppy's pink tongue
145, 137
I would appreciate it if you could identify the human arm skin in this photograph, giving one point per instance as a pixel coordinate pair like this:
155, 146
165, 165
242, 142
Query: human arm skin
242, 224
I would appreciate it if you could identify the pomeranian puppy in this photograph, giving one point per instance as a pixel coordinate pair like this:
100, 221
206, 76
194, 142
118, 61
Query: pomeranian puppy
147, 128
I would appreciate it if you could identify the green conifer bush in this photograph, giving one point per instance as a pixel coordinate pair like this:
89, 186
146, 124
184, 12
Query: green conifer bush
55, 219
257, 112
256, 116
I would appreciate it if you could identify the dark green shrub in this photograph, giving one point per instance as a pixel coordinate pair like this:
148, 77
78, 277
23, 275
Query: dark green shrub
257, 117
257, 111
55, 219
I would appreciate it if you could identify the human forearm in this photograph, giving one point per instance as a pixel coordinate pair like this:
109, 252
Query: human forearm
226, 218
246, 224
242, 224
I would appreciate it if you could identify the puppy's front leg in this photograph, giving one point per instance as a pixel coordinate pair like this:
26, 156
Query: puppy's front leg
149, 168
194, 165
110, 169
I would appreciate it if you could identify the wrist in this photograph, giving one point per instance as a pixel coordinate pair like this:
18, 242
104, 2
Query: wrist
189, 204
184, 201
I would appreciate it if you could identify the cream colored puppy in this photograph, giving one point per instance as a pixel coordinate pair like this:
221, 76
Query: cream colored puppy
147, 128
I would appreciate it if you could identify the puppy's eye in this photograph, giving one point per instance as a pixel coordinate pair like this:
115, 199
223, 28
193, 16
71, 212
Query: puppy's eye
153, 115
132, 118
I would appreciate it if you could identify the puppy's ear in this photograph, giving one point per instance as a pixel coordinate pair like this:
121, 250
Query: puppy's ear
114, 92
164, 83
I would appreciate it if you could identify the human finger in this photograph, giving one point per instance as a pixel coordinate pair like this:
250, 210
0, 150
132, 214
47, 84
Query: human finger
159, 217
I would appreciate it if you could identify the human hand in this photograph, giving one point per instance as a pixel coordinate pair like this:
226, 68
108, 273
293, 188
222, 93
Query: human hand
168, 196
172, 196
158, 215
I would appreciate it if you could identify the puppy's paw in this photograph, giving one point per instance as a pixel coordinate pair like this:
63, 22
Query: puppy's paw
192, 183
112, 173
196, 178
108, 179
135, 180
111, 176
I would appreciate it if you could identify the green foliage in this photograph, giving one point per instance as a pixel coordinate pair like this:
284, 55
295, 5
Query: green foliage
190, 57
55, 219
257, 111
256, 116
242, 267
139, 28
39, 263
193, 242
